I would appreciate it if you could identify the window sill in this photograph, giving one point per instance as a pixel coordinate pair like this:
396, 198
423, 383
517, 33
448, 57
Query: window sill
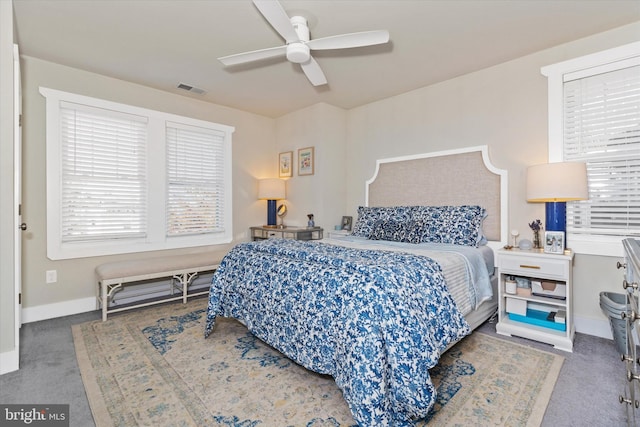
596, 245
93, 249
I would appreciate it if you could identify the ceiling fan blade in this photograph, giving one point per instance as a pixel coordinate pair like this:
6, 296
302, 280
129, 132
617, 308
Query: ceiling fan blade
313, 72
365, 38
276, 16
240, 58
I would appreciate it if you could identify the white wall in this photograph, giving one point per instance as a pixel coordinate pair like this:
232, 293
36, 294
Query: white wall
254, 149
323, 194
504, 107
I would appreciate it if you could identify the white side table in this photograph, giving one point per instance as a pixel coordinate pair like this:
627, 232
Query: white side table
537, 266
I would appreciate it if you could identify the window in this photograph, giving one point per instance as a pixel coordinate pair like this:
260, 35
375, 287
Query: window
195, 166
594, 117
103, 191
123, 179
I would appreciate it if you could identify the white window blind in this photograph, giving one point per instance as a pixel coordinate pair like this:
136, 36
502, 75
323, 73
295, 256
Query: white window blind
124, 179
602, 128
195, 180
103, 174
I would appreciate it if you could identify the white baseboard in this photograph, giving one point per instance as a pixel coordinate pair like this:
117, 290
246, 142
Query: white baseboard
596, 327
584, 325
9, 361
58, 309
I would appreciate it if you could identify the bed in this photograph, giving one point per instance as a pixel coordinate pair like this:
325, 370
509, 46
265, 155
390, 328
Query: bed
375, 309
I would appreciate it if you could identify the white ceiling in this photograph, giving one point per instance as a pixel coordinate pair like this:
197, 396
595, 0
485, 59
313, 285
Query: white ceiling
159, 43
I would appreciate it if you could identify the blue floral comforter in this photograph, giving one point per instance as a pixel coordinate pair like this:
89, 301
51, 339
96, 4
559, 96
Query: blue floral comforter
376, 321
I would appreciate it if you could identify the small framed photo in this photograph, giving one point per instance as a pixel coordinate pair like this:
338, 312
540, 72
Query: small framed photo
554, 242
305, 161
346, 223
285, 162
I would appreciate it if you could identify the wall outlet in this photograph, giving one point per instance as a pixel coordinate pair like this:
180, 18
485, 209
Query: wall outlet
52, 276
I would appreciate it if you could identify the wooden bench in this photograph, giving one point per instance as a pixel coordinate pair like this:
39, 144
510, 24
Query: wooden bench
182, 269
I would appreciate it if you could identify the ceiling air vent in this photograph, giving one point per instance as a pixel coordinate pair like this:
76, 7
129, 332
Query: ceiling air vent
191, 89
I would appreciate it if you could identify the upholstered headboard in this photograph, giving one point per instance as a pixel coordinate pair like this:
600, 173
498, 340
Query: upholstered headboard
453, 177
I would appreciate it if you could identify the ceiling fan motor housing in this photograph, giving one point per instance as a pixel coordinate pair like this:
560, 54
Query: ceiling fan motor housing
297, 51
295, 31
302, 29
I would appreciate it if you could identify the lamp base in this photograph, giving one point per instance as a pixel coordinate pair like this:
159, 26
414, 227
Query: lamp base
556, 216
556, 220
271, 214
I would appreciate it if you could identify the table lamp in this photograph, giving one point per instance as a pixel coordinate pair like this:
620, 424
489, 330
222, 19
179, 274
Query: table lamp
271, 189
555, 184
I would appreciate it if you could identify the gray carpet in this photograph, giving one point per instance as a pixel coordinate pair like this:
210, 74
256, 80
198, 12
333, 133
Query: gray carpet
586, 393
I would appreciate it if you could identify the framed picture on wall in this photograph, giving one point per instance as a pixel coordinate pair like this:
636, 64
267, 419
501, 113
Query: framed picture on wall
285, 162
305, 161
554, 242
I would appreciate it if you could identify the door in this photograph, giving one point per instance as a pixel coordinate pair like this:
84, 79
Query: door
17, 190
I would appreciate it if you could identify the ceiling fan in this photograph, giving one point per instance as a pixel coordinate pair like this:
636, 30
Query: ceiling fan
298, 46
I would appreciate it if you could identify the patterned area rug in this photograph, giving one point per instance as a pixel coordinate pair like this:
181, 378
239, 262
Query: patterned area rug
152, 367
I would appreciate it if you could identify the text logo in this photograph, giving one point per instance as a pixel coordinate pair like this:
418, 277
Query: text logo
34, 415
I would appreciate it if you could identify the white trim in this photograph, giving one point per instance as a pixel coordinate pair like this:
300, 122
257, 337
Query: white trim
9, 361
156, 238
484, 149
595, 327
58, 309
17, 200
595, 59
599, 328
597, 245
584, 325
557, 74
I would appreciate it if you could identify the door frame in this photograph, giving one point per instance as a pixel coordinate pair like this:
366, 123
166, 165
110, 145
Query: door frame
17, 183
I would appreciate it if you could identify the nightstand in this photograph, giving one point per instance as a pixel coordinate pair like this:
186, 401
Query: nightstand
527, 315
295, 233
336, 234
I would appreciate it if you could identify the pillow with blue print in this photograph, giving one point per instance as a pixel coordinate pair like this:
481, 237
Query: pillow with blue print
458, 225
409, 231
368, 216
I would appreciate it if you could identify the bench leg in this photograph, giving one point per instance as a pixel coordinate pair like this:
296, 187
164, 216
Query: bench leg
107, 294
185, 280
105, 301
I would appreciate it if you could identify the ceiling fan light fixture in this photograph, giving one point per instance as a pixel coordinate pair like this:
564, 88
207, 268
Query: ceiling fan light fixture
298, 53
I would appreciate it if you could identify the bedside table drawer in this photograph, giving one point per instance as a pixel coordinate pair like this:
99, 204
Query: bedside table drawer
273, 234
293, 233
533, 266
266, 234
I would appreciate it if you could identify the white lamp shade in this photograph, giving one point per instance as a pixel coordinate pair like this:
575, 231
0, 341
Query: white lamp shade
557, 182
271, 189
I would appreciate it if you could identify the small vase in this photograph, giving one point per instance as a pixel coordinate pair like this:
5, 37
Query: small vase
311, 224
536, 239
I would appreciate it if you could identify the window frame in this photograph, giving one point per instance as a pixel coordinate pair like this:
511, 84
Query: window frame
585, 65
156, 238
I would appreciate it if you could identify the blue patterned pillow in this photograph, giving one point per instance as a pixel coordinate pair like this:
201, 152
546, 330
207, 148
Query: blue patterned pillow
367, 217
459, 225
409, 231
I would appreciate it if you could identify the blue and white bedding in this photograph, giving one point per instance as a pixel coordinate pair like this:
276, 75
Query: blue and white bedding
467, 269
376, 321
